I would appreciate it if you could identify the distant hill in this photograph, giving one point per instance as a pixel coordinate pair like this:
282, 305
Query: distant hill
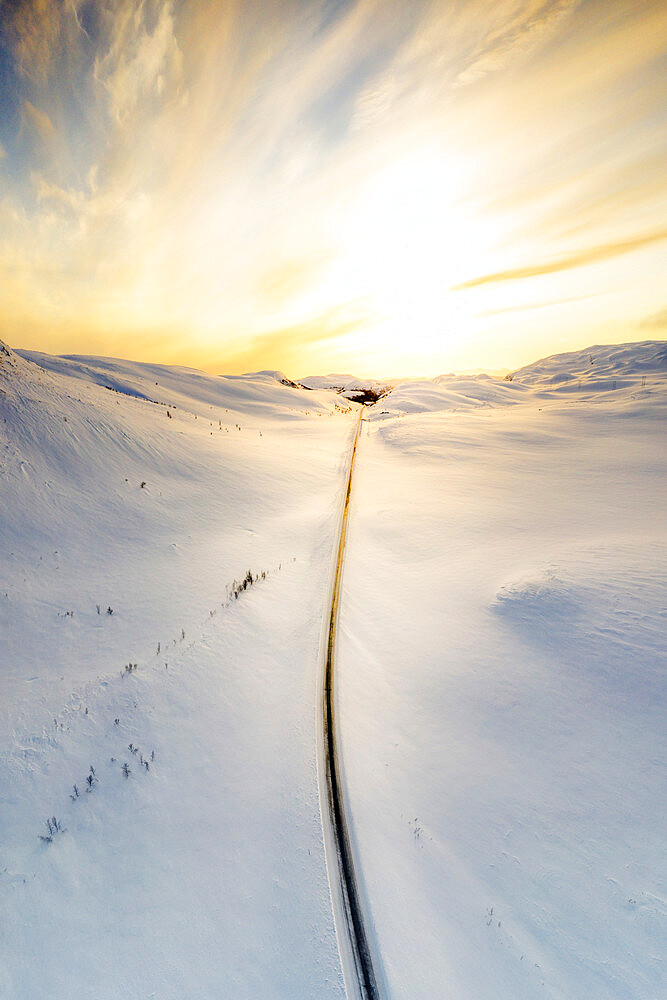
595, 363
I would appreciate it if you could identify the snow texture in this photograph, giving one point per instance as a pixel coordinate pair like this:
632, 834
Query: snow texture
166, 547
201, 873
502, 658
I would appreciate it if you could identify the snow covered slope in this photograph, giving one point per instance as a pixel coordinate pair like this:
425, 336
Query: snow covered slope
603, 365
503, 681
448, 392
359, 390
185, 387
342, 383
623, 369
132, 634
166, 540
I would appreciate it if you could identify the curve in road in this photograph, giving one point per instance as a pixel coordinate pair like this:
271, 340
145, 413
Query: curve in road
352, 936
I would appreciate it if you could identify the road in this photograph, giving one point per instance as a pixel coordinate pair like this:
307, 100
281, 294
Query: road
361, 979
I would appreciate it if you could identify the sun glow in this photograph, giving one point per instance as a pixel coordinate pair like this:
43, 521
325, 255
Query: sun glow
404, 240
400, 186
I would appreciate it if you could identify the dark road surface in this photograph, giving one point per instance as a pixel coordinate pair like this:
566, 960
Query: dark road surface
352, 910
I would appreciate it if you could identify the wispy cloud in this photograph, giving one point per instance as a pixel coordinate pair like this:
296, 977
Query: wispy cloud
223, 170
33, 30
656, 321
39, 122
592, 255
295, 345
513, 31
142, 63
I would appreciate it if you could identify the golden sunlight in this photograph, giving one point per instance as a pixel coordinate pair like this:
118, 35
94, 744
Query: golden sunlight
387, 186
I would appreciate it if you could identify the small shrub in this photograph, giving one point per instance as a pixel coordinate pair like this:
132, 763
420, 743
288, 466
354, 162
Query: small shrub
54, 826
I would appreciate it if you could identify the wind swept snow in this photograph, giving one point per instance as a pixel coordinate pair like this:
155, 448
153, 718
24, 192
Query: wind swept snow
502, 672
166, 548
136, 653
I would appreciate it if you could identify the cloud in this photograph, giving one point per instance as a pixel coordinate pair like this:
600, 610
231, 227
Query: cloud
591, 255
515, 29
143, 59
533, 306
656, 321
33, 29
286, 347
284, 279
226, 169
39, 122
46, 191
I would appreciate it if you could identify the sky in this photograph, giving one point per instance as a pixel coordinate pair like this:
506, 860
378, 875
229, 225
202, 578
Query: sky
338, 185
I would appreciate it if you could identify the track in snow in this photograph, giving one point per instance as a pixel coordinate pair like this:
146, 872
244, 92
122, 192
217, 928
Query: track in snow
352, 936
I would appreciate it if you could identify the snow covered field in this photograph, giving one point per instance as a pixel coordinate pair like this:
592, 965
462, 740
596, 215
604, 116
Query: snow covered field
203, 875
501, 679
502, 663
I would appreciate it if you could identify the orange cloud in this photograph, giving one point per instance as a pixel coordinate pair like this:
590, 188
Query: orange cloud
194, 179
142, 60
34, 29
592, 255
39, 122
656, 321
514, 30
286, 279
288, 347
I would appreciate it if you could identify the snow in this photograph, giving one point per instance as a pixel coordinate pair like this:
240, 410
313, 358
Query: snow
502, 682
501, 679
597, 363
180, 386
347, 385
205, 874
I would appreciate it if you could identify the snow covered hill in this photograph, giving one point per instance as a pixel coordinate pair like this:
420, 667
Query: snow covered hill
131, 635
630, 371
356, 389
166, 543
178, 386
599, 365
503, 680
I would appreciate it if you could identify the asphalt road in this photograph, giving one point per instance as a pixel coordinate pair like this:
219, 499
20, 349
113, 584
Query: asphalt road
354, 932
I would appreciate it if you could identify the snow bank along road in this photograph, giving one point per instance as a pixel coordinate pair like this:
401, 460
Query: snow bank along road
360, 975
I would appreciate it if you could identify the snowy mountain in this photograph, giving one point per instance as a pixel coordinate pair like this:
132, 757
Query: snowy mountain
356, 389
590, 374
598, 365
167, 540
